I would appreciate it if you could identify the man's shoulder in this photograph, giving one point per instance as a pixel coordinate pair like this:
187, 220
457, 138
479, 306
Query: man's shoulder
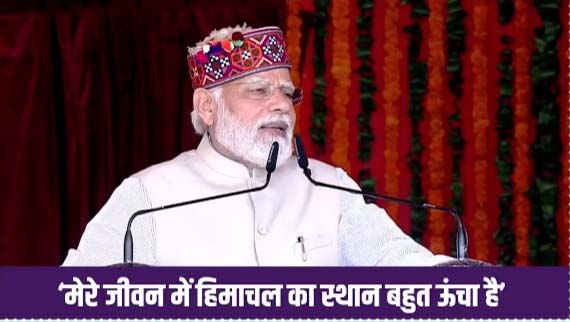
314, 163
317, 167
181, 162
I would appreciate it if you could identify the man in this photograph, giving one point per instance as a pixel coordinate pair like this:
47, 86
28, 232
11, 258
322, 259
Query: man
243, 102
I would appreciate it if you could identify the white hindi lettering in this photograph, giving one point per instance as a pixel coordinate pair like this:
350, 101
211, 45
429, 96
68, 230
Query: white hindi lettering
408, 297
231, 295
351, 295
116, 292
301, 294
458, 294
252, 296
335, 293
271, 295
370, 295
493, 288
267, 295
155, 295
237, 295
146, 295
125, 294
206, 291
80, 294
182, 292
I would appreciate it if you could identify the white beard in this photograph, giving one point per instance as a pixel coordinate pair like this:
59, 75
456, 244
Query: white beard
239, 141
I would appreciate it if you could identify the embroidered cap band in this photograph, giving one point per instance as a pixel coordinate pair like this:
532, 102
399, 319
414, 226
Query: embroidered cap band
255, 51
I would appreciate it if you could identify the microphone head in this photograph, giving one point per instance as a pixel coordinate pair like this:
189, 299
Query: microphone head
272, 158
301, 155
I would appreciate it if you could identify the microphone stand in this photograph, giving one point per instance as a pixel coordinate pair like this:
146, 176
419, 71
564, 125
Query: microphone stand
461, 240
128, 241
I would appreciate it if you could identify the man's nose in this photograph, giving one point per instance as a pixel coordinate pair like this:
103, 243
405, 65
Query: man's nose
279, 102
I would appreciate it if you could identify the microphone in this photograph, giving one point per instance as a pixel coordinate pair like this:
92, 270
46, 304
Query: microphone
128, 241
461, 240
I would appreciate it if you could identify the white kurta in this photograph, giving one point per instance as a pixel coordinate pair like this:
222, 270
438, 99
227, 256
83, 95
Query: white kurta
258, 229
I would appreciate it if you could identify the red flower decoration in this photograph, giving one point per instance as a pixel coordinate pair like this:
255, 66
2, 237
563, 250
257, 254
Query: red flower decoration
202, 58
227, 45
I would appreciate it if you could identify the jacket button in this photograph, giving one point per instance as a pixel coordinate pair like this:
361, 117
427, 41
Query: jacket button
262, 230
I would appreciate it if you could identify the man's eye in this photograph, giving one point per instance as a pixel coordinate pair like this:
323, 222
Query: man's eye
258, 90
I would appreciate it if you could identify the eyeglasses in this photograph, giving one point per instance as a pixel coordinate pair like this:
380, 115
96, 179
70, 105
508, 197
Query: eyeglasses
261, 91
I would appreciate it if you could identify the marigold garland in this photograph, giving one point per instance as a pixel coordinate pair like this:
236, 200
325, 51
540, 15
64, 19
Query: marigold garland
341, 75
480, 222
521, 171
293, 38
434, 107
391, 95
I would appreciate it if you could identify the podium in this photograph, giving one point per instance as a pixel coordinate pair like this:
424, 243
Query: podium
465, 263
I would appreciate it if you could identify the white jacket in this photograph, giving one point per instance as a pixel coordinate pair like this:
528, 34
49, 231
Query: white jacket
290, 223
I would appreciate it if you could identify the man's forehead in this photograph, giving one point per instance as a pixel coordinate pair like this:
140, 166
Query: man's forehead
279, 76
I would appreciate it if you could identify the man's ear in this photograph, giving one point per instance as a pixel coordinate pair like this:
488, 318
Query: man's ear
204, 105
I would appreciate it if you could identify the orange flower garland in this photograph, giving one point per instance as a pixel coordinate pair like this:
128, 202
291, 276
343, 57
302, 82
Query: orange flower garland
391, 95
340, 72
480, 222
435, 116
293, 38
522, 166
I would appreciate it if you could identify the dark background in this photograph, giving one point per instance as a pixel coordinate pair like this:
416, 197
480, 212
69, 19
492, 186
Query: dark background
91, 92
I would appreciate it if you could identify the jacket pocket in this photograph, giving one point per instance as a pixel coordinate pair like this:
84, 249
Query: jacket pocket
315, 249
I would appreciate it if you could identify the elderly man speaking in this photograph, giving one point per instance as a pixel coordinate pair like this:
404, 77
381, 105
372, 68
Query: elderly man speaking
243, 102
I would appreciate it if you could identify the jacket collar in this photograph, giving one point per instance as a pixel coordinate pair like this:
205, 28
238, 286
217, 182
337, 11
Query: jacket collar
223, 165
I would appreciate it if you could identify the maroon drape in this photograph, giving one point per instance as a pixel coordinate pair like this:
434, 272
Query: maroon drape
88, 96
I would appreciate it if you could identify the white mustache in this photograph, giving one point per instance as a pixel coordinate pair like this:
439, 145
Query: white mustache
275, 121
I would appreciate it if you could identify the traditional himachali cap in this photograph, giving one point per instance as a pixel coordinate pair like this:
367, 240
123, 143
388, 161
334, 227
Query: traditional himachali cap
220, 62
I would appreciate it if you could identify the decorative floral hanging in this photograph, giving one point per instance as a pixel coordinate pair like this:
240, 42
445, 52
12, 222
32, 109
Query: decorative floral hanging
522, 169
436, 133
293, 38
479, 61
391, 94
340, 72
528, 203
